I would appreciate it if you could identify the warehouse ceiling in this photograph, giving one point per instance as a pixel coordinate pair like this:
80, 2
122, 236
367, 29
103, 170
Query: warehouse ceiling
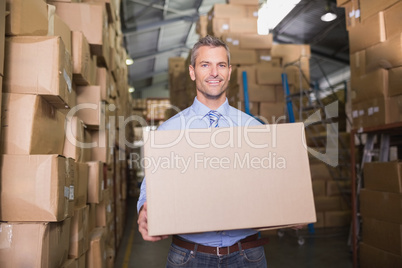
156, 30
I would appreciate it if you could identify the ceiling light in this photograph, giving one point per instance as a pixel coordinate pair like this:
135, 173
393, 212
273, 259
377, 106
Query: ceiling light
329, 13
131, 89
129, 61
272, 13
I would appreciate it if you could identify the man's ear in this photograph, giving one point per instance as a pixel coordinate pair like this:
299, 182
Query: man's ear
192, 72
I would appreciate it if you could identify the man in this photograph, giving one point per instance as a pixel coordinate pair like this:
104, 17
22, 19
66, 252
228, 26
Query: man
210, 69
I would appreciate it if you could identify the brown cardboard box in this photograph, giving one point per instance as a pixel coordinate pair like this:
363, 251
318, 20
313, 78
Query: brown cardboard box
104, 209
328, 203
272, 112
269, 75
243, 25
26, 17
57, 27
251, 73
101, 151
395, 81
370, 7
82, 61
369, 86
51, 76
95, 182
43, 176
243, 57
244, 2
374, 257
285, 200
74, 143
385, 55
41, 245
336, 187
352, 14
341, 3
255, 41
218, 26
96, 255
89, 18
337, 218
201, 26
393, 19
383, 206
81, 189
358, 64
290, 52
376, 112
82, 261
383, 235
319, 171
226, 11
259, 93
368, 33
30, 125
2, 34
79, 235
319, 187
383, 176
92, 111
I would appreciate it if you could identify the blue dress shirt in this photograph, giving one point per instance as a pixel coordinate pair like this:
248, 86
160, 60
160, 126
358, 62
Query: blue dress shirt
193, 117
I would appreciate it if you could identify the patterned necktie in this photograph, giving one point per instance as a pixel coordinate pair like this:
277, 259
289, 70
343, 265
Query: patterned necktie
213, 118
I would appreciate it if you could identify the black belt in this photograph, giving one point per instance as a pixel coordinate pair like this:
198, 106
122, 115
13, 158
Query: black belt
246, 243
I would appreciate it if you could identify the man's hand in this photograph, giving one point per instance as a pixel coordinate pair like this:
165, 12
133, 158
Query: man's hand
143, 226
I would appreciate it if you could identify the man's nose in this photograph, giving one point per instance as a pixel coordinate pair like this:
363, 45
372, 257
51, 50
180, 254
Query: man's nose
214, 71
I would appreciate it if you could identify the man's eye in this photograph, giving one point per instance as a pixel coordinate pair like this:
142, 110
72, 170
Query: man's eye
222, 65
204, 65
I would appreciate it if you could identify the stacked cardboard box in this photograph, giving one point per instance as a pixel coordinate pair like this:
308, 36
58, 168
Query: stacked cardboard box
376, 61
380, 207
65, 101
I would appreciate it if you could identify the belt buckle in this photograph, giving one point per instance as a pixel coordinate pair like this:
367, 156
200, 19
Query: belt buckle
218, 253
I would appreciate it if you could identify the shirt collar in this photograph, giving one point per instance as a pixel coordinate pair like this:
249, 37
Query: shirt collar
201, 109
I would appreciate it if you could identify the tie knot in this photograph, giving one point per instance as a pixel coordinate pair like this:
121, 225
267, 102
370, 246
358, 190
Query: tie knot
213, 118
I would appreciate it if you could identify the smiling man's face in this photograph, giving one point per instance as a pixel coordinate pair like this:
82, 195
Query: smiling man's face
211, 73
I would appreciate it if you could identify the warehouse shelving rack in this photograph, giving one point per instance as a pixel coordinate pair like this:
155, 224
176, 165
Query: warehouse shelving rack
386, 135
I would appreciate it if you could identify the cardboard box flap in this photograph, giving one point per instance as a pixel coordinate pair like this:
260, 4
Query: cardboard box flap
246, 170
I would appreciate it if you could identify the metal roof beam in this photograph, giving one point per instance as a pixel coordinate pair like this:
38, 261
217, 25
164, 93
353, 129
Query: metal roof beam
148, 75
156, 25
152, 55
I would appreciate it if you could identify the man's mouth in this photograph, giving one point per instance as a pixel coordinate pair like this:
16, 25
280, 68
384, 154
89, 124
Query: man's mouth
214, 82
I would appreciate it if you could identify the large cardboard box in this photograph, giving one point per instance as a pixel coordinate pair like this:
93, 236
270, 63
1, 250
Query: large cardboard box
383, 206
329, 203
273, 112
290, 52
81, 189
243, 57
255, 41
38, 192
395, 81
79, 235
243, 25
265, 167
358, 64
319, 187
57, 27
37, 245
226, 11
383, 235
383, 176
369, 86
104, 210
26, 17
376, 112
269, 75
102, 149
337, 218
95, 182
30, 125
89, 18
51, 76
352, 14
370, 7
91, 108
83, 63
244, 2
96, 255
385, 55
74, 144
393, 19
368, 33
259, 93
374, 257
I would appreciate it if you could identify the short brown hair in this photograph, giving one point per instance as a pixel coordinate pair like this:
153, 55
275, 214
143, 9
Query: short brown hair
210, 41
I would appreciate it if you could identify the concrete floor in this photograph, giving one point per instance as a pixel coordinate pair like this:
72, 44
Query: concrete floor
326, 248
